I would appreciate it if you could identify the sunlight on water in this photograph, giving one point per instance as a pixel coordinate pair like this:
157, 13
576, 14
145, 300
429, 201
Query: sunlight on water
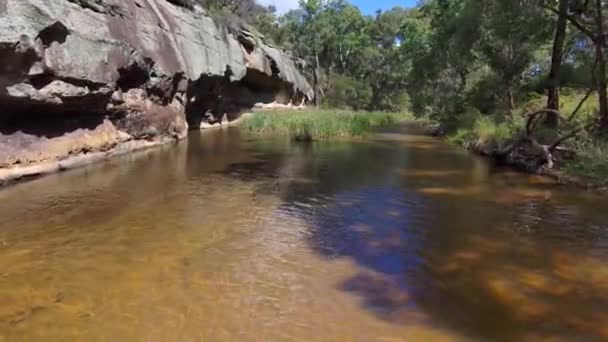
225, 237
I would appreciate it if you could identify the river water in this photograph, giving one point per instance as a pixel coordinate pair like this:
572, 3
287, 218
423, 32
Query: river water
226, 237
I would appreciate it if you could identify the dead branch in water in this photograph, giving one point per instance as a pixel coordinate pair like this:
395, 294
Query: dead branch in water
547, 150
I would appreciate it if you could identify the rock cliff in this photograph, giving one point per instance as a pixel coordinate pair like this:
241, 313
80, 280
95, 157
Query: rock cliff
98, 77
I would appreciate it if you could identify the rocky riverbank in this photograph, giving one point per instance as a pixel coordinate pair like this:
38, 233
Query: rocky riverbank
82, 80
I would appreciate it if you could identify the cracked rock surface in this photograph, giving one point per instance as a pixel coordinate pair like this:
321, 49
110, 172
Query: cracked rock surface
80, 76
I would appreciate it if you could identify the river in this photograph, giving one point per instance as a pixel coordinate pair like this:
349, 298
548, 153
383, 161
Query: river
227, 237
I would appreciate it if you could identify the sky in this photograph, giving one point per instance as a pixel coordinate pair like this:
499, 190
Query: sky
370, 6
367, 6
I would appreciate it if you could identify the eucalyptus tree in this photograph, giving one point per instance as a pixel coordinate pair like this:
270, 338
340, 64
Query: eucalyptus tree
310, 30
344, 34
441, 40
387, 65
557, 56
588, 16
511, 31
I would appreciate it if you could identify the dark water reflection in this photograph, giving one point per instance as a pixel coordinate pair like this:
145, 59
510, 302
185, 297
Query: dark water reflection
225, 237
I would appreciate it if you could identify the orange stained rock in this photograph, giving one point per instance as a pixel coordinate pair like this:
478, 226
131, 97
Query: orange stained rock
469, 256
467, 191
523, 305
534, 280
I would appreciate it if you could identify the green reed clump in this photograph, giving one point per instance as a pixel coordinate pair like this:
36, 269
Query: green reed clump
590, 163
492, 131
313, 124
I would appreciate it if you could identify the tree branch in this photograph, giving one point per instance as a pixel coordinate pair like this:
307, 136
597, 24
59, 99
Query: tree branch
580, 104
589, 92
572, 134
533, 118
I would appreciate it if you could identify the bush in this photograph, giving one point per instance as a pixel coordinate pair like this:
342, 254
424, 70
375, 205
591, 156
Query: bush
401, 102
591, 161
570, 98
469, 117
485, 94
489, 131
348, 93
532, 102
461, 136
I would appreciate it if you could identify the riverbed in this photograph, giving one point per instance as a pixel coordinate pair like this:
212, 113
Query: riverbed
230, 237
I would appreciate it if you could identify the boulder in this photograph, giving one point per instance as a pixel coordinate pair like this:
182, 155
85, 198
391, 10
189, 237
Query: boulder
148, 68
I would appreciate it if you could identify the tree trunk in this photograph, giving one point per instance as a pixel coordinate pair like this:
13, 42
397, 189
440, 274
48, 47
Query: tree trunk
510, 99
462, 86
556, 62
601, 77
341, 55
316, 80
601, 85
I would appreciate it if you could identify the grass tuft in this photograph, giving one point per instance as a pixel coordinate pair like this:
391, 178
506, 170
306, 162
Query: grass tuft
489, 131
591, 162
315, 124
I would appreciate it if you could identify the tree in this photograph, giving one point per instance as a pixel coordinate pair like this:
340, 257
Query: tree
556, 62
511, 30
344, 36
310, 29
587, 16
442, 41
386, 66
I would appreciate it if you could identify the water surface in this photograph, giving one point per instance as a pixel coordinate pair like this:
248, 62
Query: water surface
233, 238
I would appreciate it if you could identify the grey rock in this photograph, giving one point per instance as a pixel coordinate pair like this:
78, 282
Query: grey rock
136, 69
101, 41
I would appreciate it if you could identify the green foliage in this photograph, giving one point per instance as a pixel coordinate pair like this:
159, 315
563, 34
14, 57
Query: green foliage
484, 95
462, 136
400, 102
491, 132
348, 93
468, 118
591, 162
570, 99
234, 13
319, 124
511, 33
365, 51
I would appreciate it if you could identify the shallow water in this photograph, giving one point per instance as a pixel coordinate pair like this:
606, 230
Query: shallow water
232, 238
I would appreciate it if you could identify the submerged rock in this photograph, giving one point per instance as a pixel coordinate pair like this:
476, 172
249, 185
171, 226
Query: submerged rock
73, 70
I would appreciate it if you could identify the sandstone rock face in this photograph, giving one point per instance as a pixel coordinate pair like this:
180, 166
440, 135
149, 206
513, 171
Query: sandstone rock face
115, 70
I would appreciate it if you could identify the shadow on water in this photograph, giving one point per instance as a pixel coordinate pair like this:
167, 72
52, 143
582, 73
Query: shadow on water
444, 238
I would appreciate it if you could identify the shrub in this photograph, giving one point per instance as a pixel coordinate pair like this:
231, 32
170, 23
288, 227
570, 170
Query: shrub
485, 94
348, 93
401, 102
489, 131
591, 161
569, 100
461, 136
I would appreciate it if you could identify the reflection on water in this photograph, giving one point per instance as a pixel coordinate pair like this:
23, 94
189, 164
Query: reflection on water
224, 238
